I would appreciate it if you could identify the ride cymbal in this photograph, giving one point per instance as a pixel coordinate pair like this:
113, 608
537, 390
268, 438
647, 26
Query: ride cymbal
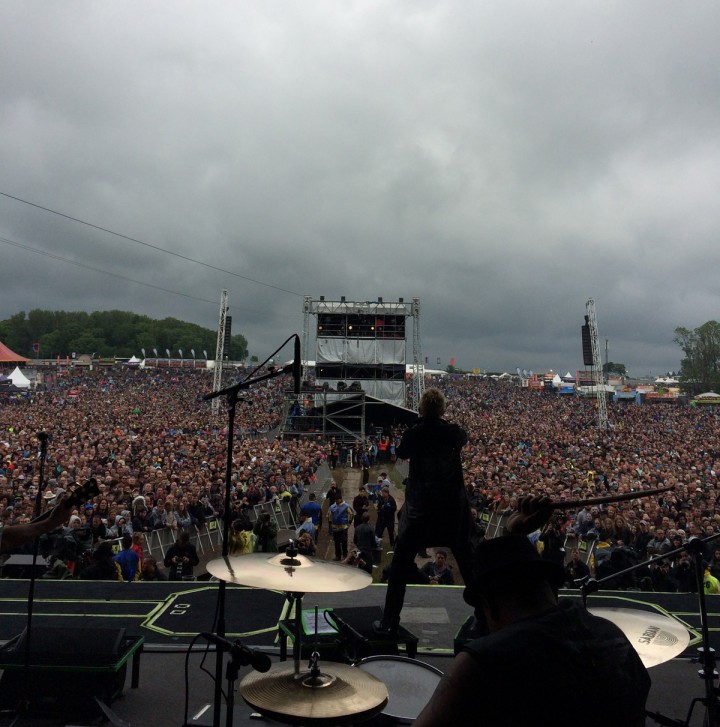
347, 694
281, 572
656, 638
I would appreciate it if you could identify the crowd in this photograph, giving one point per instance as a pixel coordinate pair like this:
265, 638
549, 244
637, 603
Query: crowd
155, 448
159, 453
524, 442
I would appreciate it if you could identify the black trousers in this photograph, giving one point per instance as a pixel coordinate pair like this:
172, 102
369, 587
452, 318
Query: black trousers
411, 539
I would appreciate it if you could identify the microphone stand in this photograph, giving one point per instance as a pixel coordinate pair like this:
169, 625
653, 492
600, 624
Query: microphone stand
231, 393
25, 697
708, 673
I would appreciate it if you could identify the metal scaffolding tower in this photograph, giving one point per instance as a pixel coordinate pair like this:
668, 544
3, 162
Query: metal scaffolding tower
417, 382
220, 351
598, 376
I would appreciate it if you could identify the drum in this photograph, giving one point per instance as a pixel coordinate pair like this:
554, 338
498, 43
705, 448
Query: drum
410, 684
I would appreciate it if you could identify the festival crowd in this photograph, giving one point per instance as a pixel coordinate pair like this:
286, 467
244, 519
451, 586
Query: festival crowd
159, 455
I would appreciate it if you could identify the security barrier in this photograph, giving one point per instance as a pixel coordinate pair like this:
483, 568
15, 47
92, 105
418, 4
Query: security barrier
205, 538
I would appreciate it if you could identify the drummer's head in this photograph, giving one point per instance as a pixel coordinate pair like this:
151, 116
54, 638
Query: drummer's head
511, 580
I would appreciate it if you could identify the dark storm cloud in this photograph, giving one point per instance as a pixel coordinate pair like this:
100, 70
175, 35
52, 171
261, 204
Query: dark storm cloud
502, 162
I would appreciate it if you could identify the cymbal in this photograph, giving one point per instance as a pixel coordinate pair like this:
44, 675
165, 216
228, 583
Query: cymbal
346, 694
656, 638
299, 573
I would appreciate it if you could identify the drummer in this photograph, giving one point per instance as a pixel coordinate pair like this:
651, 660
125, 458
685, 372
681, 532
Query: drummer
544, 663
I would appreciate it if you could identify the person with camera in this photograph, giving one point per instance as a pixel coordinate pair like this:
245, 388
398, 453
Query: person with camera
181, 558
266, 534
438, 571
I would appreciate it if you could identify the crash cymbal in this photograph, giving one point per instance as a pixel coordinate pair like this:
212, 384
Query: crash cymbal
656, 638
346, 694
281, 572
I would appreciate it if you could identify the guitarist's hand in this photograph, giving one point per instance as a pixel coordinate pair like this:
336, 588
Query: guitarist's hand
59, 514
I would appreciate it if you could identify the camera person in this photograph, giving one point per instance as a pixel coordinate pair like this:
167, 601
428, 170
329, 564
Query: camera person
266, 533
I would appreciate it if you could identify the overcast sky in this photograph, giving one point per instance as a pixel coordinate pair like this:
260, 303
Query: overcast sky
502, 161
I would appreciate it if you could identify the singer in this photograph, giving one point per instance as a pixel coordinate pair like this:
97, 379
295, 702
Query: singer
436, 510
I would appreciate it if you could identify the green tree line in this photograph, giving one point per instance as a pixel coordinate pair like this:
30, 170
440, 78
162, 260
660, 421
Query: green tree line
109, 333
701, 366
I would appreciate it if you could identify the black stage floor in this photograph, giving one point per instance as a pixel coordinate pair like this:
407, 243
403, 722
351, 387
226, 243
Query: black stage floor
169, 615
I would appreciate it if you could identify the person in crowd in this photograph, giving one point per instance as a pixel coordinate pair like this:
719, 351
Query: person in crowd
266, 531
314, 510
102, 567
436, 509
575, 570
306, 544
568, 650
182, 515
364, 540
360, 505
150, 570
306, 526
341, 515
242, 538
181, 558
127, 560
659, 544
386, 512
438, 571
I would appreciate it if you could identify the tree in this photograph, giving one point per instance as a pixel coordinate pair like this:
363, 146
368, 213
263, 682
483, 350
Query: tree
614, 368
701, 365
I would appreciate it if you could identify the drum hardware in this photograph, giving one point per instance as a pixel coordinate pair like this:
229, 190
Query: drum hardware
338, 694
410, 683
706, 654
232, 396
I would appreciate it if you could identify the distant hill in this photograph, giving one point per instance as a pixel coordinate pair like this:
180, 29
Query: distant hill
109, 333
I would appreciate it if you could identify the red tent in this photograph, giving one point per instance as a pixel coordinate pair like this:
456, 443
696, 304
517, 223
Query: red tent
8, 356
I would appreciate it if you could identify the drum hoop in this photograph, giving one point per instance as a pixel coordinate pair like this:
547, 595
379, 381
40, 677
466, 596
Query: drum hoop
401, 659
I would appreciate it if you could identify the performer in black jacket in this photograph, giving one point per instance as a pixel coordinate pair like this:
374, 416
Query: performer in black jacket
436, 510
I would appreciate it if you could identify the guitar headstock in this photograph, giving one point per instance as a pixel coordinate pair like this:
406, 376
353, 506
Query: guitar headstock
82, 493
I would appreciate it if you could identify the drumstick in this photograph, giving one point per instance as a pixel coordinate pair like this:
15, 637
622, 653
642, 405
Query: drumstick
611, 498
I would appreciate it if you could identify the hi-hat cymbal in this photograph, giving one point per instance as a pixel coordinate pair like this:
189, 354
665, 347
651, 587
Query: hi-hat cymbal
281, 572
350, 694
656, 638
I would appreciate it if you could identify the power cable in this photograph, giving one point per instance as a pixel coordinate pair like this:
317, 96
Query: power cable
147, 244
98, 270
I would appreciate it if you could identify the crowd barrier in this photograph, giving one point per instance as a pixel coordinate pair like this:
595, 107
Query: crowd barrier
494, 524
208, 538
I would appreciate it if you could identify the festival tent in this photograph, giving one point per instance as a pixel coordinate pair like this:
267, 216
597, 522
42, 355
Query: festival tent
9, 356
19, 379
709, 397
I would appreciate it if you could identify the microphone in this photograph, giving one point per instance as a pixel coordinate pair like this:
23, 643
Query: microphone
347, 630
297, 366
244, 655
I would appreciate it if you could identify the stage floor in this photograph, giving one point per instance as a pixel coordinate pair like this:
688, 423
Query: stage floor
170, 615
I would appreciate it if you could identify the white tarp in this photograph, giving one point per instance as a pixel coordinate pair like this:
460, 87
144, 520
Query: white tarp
19, 379
369, 351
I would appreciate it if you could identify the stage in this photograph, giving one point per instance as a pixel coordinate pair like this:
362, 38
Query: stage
168, 615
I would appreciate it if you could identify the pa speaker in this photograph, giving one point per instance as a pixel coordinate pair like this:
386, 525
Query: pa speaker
587, 346
68, 667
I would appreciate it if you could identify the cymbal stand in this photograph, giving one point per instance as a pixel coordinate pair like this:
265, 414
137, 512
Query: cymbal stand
708, 673
232, 396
